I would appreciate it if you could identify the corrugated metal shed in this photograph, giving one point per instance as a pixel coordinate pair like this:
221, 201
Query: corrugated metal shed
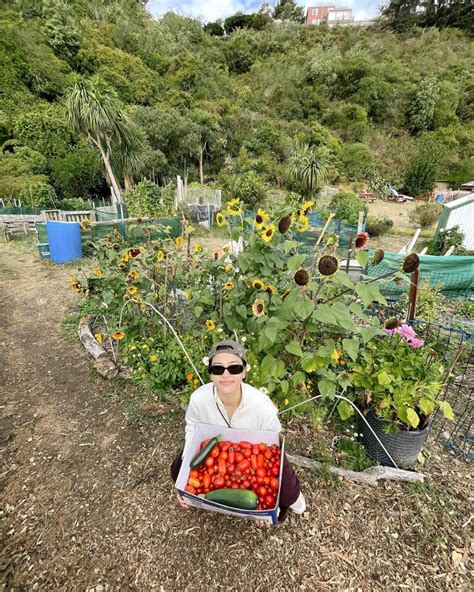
460, 212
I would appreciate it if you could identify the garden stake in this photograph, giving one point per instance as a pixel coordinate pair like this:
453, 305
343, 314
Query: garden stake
413, 296
349, 251
325, 227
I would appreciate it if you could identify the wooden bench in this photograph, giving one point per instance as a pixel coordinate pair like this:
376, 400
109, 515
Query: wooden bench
12, 228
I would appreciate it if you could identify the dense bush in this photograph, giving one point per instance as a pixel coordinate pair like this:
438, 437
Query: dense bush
425, 214
39, 195
378, 226
248, 187
148, 199
444, 239
347, 206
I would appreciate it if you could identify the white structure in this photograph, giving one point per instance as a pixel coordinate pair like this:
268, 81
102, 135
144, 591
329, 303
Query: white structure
460, 212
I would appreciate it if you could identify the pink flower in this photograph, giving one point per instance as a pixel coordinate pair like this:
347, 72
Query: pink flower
406, 332
416, 343
361, 241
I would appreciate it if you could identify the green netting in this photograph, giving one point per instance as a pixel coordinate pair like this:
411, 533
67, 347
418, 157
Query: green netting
454, 275
105, 216
344, 231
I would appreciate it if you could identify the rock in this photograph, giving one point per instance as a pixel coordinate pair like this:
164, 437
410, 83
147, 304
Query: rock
106, 367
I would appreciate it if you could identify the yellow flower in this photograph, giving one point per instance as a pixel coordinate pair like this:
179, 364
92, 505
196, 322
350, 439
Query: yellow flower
286, 402
196, 382
125, 257
153, 358
73, 280
229, 286
260, 219
228, 268
145, 346
226, 250
303, 224
160, 256
336, 355
179, 242
132, 347
132, 290
270, 289
268, 233
99, 337
85, 224
234, 207
210, 324
189, 377
187, 294
118, 335
133, 274
258, 307
258, 284
220, 219
306, 206
197, 248
98, 272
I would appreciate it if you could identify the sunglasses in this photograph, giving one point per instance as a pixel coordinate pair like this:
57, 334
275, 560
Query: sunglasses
232, 369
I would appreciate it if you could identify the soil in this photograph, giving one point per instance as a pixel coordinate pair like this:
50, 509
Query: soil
88, 503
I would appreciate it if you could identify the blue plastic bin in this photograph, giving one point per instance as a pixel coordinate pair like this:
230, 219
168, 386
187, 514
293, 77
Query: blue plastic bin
64, 241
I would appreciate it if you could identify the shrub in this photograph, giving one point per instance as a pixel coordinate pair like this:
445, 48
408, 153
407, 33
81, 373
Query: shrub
425, 214
443, 239
378, 226
39, 195
347, 206
420, 176
249, 188
145, 199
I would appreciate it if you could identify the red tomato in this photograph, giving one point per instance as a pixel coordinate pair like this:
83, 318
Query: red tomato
244, 465
268, 454
238, 457
261, 472
222, 466
275, 471
210, 471
262, 447
260, 460
209, 461
255, 487
230, 468
253, 461
225, 445
244, 444
275, 484
262, 491
266, 480
269, 501
206, 481
228, 483
255, 449
247, 453
234, 486
194, 482
223, 455
215, 452
189, 489
231, 456
194, 474
219, 482
246, 484
259, 480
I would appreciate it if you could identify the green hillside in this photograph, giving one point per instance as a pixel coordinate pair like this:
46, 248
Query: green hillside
378, 105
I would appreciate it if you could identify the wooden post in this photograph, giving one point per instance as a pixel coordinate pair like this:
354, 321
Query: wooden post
413, 295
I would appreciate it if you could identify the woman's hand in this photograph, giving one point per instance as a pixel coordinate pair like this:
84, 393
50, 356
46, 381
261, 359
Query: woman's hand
262, 523
182, 502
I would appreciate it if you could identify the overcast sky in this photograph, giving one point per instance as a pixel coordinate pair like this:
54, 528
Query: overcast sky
211, 11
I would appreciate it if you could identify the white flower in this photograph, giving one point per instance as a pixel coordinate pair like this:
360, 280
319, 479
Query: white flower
205, 361
263, 390
244, 339
248, 367
220, 330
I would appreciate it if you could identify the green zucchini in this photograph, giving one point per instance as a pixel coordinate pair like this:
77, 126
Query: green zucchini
202, 454
244, 499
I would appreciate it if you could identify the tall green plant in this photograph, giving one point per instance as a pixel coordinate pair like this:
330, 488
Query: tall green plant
307, 168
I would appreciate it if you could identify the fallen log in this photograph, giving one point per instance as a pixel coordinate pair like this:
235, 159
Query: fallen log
89, 341
106, 368
370, 476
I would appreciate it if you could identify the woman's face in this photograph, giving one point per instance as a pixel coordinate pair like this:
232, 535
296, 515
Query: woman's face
227, 383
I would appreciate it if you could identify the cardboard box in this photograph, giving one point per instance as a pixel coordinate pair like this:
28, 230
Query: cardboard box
203, 431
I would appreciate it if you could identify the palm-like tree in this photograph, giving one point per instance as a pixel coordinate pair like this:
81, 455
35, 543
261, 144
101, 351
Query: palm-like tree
93, 109
307, 167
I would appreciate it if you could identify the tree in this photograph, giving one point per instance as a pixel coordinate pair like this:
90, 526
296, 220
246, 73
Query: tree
356, 160
288, 10
421, 175
307, 167
422, 108
93, 109
209, 131
216, 29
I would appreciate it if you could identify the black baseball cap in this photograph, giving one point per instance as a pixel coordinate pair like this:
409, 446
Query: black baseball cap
228, 347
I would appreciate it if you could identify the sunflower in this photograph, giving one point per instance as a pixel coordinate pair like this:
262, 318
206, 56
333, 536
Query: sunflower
187, 294
98, 272
305, 207
228, 268
85, 224
117, 234
229, 286
301, 277
268, 232
234, 207
125, 257
135, 251
378, 256
328, 265
303, 224
132, 290
160, 255
269, 289
258, 307
336, 356
258, 285
284, 224
133, 275
260, 219
210, 325
153, 358
179, 242
361, 241
220, 219
411, 263
197, 249
118, 335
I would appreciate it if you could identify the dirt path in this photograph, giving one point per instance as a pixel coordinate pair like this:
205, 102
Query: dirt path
88, 503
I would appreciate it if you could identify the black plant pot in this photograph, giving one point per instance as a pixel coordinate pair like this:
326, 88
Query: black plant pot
402, 446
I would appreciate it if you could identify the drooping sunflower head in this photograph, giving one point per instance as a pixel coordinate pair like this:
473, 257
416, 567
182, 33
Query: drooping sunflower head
135, 251
378, 256
331, 240
258, 284
328, 265
284, 224
269, 289
210, 325
220, 219
303, 223
392, 323
258, 307
268, 232
301, 277
361, 241
306, 207
411, 263
133, 275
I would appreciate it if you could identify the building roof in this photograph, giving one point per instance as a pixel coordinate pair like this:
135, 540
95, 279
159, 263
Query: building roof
462, 201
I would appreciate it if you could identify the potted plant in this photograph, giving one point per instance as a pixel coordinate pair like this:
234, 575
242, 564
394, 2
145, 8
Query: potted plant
398, 381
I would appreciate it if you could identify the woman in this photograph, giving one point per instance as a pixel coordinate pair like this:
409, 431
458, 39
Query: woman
229, 401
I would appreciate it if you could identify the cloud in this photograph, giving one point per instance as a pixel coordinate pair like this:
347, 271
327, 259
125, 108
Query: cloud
211, 11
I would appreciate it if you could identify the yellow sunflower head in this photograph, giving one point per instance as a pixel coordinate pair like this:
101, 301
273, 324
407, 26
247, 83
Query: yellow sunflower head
234, 207
270, 289
303, 224
220, 219
258, 285
229, 286
118, 335
133, 274
210, 325
268, 232
228, 268
260, 219
179, 242
132, 290
160, 255
153, 358
197, 249
306, 206
258, 307
125, 257
98, 272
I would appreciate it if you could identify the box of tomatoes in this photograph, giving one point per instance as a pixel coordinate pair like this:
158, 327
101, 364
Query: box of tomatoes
238, 474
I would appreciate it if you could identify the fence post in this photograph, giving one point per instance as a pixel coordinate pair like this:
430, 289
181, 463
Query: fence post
413, 295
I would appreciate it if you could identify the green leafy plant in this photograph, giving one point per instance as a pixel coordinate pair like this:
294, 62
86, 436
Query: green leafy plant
425, 214
346, 206
378, 226
444, 239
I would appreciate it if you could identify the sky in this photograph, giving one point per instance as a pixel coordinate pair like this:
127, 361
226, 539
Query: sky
212, 10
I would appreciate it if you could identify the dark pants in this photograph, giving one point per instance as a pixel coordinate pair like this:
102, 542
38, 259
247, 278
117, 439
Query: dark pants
289, 491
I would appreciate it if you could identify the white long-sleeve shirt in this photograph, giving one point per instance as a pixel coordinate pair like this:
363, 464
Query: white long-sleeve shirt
255, 412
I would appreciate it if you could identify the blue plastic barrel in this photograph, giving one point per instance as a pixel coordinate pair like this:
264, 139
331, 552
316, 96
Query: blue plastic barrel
64, 241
